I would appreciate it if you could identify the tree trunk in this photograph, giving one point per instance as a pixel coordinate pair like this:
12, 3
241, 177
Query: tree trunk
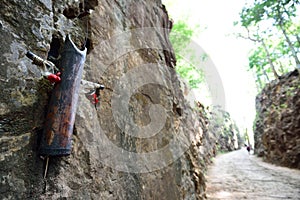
266, 75
294, 53
291, 46
298, 39
259, 83
269, 59
281, 68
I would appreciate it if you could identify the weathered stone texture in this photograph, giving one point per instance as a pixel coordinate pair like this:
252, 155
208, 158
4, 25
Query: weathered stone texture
277, 125
126, 56
224, 131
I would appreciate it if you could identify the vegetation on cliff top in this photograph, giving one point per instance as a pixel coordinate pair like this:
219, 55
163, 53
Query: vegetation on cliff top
274, 28
181, 37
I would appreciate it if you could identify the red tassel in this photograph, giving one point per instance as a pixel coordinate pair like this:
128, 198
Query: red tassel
96, 100
54, 78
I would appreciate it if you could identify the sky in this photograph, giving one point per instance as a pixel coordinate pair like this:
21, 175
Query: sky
229, 54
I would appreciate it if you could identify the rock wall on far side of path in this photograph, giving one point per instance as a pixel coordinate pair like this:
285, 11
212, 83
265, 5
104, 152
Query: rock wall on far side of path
277, 125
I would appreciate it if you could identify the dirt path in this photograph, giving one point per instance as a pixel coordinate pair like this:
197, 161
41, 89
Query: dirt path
237, 175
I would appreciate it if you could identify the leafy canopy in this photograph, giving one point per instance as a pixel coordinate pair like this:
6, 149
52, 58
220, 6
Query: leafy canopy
180, 37
274, 26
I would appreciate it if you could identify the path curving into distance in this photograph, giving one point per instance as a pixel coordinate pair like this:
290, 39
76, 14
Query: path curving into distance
237, 175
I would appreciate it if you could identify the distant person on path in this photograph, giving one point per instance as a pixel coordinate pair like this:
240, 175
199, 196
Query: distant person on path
248, 149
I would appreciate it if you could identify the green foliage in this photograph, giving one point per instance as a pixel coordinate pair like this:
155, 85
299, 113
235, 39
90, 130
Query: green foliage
283, 106
274, 10
180, 37
274, 27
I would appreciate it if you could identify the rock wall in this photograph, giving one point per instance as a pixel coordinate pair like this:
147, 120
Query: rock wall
224, 130
277, 125
142, 142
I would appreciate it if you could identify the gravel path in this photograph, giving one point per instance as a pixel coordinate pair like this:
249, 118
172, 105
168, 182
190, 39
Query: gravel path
237, 175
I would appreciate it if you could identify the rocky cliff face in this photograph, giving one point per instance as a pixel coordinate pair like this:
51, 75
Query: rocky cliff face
220, 132
224, 131
143, 141
277, 126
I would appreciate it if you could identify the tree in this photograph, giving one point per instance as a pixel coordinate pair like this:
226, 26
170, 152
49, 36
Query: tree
264, 49
258, 63
282, 12
273, 25
181, 35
